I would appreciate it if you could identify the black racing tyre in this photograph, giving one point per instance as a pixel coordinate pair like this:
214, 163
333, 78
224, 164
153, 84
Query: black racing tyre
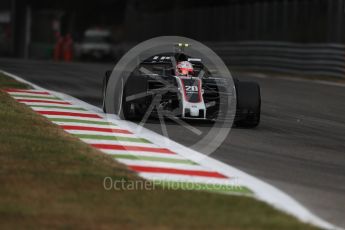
121, 107
248, 104
104, 89
134, 86
125, 108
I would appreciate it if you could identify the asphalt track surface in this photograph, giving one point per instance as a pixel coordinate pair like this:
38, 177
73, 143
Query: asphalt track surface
298, 147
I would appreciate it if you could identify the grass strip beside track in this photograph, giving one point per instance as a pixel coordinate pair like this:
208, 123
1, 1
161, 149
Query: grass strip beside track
49, 179
112, 138
148, 158
80, 121
40, 97
57, 107
202, 187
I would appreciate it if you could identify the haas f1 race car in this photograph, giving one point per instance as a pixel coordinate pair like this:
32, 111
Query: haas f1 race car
177, 86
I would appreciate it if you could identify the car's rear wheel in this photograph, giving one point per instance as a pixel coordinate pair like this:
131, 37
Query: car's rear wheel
104, 88
129, 97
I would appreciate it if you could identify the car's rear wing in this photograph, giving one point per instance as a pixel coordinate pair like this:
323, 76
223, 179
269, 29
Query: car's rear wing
168, 57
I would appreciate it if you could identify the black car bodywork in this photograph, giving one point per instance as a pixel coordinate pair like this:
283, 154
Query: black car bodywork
156, 76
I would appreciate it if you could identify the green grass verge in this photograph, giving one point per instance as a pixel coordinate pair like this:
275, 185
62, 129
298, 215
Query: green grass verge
49, 179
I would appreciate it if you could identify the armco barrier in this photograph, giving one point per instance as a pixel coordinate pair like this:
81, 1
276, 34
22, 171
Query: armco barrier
308, 59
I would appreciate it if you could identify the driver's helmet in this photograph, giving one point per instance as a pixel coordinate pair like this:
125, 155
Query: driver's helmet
184, 68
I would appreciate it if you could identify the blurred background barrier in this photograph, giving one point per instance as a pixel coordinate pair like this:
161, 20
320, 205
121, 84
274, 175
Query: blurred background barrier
311, 59
321, 59
290, 36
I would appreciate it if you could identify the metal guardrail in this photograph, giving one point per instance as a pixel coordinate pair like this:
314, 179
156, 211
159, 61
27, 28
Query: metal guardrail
307, 59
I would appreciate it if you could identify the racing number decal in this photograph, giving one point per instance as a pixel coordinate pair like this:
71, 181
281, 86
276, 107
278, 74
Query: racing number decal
192, 88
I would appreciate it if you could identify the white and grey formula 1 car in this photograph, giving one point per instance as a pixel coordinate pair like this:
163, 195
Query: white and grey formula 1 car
158, 87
